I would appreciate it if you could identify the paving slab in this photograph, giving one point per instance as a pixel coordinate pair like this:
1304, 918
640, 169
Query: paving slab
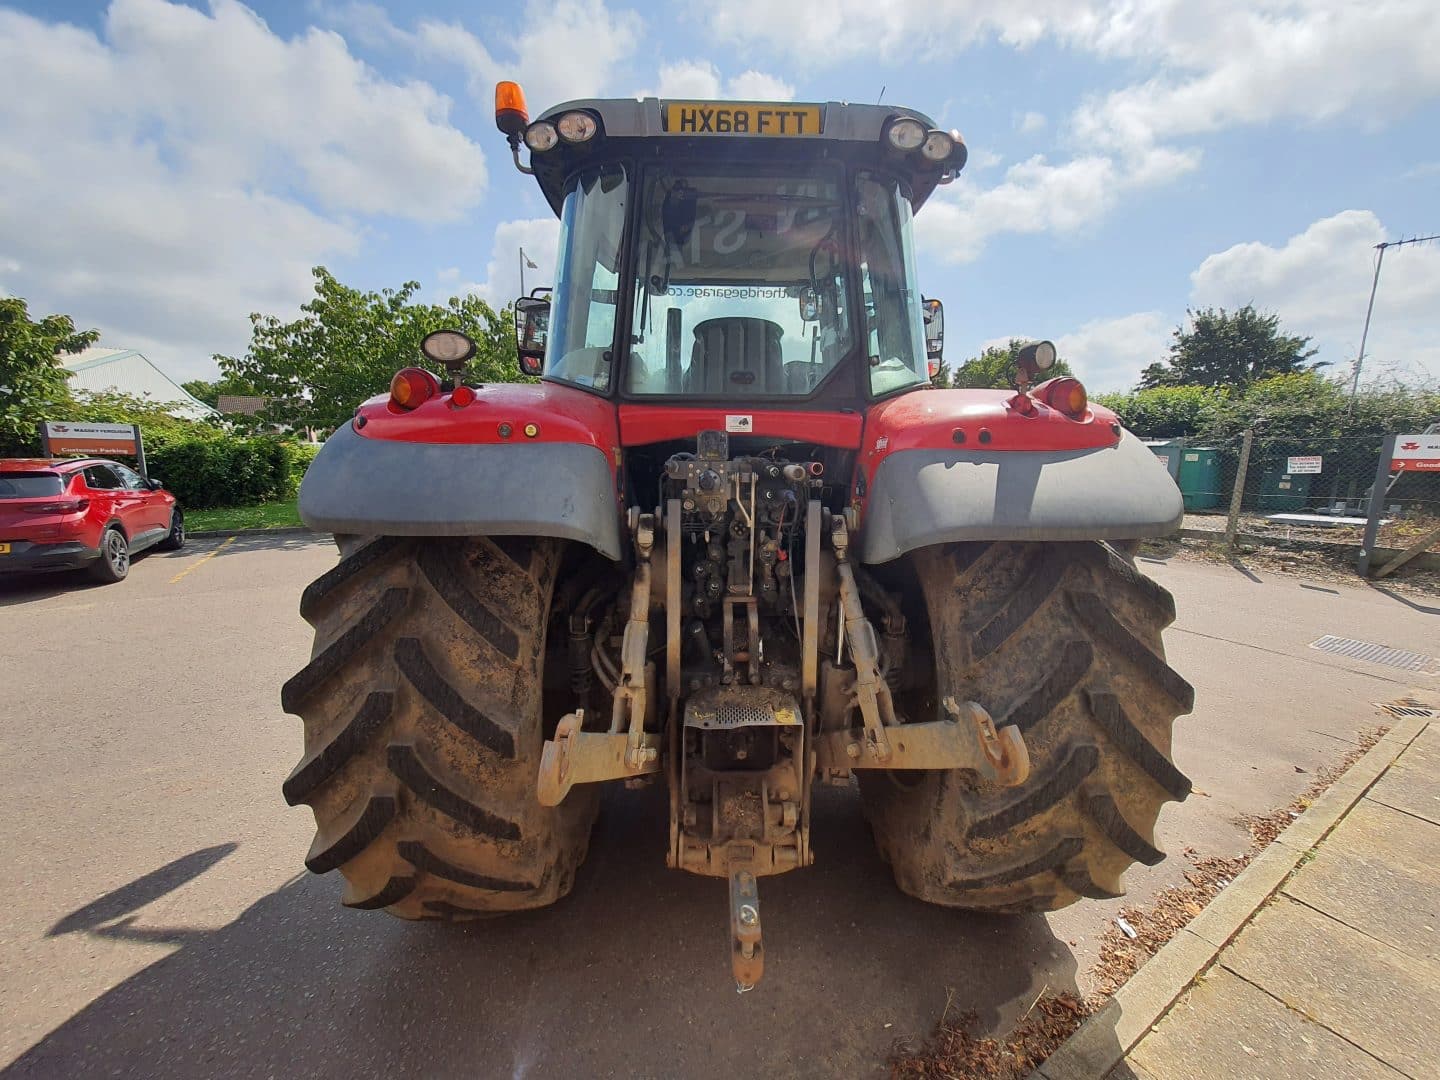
1224, 1028
1128, 1070
1413, 790
1369, 993
1379, 871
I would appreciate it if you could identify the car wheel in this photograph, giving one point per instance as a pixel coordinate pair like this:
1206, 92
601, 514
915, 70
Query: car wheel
175, 538
114, 562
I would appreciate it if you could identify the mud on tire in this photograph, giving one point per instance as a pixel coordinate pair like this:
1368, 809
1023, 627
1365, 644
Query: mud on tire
422, 704
1062, 640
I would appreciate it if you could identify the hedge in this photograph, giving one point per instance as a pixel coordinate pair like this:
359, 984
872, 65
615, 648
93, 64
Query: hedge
216, 470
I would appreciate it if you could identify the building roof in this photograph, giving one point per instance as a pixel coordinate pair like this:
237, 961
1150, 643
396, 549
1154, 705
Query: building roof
128, 371
243, 404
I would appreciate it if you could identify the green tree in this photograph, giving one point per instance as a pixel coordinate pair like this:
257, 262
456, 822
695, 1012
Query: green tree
1229, 348
347, 344
32, 379
1167, 412
994, 369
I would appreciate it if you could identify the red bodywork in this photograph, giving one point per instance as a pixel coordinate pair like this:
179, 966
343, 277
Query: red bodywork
62, 531
976, 421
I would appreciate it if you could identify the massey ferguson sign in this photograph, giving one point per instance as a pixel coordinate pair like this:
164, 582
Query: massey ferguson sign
1416, 453
62, 438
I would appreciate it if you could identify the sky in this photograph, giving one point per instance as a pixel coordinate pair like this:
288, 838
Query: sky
168, 168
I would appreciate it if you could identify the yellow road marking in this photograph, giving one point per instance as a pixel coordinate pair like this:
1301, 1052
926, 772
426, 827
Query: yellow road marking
203, 561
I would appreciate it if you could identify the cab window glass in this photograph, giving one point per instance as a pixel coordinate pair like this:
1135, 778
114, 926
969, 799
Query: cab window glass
894, 324
101, 478
741, 283
581, 338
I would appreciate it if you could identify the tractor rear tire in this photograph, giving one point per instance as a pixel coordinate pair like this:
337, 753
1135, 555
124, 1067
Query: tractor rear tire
1062, 640
422, 704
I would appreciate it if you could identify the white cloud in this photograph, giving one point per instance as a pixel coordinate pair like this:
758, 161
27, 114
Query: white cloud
180, 169
565, 50
701, 79
1319, 283
1225, 64
1108, 354
1030, 122
539, 238
1036, 196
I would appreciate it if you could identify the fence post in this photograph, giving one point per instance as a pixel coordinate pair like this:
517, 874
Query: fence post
1377, 504
1239, 492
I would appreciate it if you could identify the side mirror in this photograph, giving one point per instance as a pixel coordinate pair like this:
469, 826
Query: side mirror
154, 484
934, 312
532, 329
809, 299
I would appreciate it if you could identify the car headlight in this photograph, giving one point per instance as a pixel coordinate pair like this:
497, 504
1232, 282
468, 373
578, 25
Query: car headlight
541, 136
907, 133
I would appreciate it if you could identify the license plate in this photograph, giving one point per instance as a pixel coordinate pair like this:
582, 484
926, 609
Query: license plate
4, 549
707, 118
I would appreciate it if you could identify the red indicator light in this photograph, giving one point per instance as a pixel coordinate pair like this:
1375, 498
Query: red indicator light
461, 396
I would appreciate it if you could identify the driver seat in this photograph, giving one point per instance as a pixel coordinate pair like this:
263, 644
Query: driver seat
736, 356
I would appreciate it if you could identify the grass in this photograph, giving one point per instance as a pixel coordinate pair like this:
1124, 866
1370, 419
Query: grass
274, 515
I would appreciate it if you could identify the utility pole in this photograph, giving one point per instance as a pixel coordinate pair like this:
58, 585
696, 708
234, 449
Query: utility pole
1375, 284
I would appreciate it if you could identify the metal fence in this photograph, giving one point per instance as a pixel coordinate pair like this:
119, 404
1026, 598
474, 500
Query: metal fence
1322, 489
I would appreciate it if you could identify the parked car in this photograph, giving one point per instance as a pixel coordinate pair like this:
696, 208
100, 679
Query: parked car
66, 514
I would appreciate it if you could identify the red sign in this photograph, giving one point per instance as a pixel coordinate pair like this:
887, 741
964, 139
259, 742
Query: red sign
1416, 453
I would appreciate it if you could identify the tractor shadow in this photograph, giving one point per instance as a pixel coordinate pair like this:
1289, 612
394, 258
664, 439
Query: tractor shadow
627, 976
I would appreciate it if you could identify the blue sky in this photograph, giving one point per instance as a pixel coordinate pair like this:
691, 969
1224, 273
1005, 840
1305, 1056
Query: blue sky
169, 167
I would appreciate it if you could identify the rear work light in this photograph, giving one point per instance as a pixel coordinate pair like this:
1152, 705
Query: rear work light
1065, 394
62, 506
412, 387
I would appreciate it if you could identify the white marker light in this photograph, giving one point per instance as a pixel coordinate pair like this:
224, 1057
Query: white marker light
907, 133
576, 127
541, 136
938, 146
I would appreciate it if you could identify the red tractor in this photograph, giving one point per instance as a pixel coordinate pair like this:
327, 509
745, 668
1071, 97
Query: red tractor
732, 541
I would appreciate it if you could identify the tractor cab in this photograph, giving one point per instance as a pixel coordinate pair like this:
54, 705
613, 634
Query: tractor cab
713, 252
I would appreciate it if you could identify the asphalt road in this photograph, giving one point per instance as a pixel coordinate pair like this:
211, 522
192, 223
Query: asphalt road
155, 920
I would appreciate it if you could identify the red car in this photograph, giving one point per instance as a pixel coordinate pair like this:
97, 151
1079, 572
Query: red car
64, 514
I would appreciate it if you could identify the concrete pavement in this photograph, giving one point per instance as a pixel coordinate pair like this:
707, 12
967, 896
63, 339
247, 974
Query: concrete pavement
1335, 975
155, 921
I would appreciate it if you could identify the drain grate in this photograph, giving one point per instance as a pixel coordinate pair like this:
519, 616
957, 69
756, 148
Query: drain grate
1405, 707
1378, 654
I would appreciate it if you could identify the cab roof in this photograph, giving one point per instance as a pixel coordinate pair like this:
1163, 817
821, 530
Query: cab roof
638, 127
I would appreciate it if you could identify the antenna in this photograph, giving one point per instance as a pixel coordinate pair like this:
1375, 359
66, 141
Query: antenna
1375, 284
881, 97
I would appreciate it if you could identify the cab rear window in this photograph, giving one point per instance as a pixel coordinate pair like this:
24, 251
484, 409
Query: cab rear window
28, 485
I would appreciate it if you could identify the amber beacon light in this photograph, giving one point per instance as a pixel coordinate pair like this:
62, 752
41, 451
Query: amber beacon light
511, 115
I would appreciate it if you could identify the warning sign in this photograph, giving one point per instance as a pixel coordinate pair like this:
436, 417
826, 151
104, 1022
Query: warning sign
1416, 453
1306, 464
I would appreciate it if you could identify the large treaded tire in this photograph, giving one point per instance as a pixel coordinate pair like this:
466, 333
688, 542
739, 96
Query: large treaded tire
1062, 640
422, 704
